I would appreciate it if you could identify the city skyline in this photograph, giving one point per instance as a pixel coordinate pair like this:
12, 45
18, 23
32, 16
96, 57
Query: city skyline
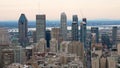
93, 9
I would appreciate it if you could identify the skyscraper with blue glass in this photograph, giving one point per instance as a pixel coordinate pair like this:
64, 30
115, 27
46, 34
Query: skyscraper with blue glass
23, 29
83, 31
75, 28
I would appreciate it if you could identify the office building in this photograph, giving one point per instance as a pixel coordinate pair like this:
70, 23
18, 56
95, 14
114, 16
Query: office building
114, 35
111, 62
48, 37
23, 29
40, 26
83, 32
53, 45
41, 46
96, 31
7, 57
105, 39
64, 46
103, 62
19, 54
118, 49
34, 37
75, 47
63, 26
55, 33
75, 28
95, 62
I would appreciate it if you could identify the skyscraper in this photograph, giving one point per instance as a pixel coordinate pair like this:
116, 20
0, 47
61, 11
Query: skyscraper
83, 32
63, 26
23, 29
48, 37
4, 37
105, 39
75, 28
96, 31
40, 26
114, 35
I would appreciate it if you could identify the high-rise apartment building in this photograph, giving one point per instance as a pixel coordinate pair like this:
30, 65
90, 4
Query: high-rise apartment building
53, 45
55, 33
75, 47
23, 29
4, 37
83, 32
41, 45
7, 57
40, 26
95, 62
96, 31
75, 28
63, 26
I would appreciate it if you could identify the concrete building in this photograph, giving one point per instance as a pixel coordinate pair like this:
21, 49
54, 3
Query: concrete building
4, 42
4, 37
111, 62
16, 65
19, 54
53, 45
63, 26
40, 26
75, 47
64, 46
75, 28
23, 29
103, 62
48, 37
118, 49
83, 32
41, 45
7, 57
55, 33
95, 62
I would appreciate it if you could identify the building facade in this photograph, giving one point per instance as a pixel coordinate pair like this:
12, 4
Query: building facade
63, 26
75, 28
23, 29
83, 32
40, 26
96, 31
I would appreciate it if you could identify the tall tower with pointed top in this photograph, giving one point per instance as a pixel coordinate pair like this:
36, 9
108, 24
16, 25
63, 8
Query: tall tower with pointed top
22, 27
63, 26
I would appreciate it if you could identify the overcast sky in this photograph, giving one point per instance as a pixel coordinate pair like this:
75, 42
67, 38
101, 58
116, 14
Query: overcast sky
91, 9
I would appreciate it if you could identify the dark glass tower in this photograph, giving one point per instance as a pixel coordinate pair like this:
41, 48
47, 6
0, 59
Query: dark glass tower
105, 39
75, 28
114, 35
48, 37
23, 29
83, 32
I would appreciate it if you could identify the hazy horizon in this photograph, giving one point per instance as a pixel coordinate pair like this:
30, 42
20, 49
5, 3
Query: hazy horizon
91, 9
